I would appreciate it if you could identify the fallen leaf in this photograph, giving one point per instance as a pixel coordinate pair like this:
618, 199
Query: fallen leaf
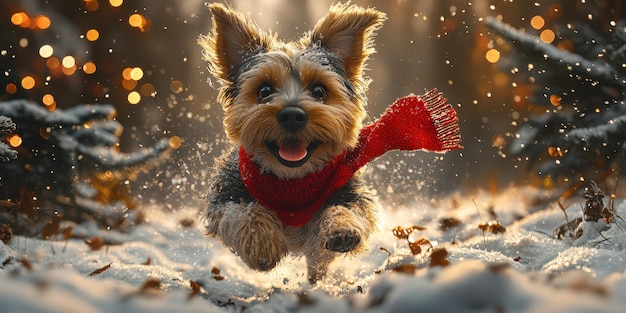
439, 258
100, 270
95, 243
405, 268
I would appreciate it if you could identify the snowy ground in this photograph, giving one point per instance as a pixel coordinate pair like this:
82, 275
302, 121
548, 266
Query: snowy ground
163, 266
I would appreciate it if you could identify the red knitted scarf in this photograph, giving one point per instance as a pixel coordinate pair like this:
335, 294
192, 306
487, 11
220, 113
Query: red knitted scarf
424, 122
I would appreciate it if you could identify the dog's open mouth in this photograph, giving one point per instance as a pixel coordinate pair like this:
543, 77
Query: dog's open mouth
292, 153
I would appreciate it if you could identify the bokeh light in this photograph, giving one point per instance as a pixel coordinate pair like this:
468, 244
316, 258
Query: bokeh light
547, 36
14, 140
492, 55
46, 51
68, 61
176, 86
91, 5
136, 73
92, 35
89, 67
20, 19
537, 22
43, 22
11, 88
136, 20
175, 142
28, 82
134, 97
116, 3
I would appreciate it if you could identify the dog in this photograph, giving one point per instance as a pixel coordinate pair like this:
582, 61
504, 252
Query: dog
294, 113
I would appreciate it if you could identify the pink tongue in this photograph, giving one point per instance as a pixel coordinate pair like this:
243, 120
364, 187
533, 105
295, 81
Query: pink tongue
292, 151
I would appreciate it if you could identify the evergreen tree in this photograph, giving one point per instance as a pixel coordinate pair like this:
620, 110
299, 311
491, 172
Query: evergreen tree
580, 133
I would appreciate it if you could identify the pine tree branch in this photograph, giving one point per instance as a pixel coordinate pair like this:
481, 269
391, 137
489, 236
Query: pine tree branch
592, 71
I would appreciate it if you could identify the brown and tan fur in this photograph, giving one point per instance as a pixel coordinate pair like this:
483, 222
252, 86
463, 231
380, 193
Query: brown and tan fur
260, 75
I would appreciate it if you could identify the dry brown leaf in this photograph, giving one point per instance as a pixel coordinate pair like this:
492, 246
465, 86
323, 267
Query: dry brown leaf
51, 228
95, 243
405, 268
216, 273
439, 258
100, 270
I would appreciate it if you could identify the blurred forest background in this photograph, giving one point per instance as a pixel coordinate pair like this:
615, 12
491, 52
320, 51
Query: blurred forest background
141, 56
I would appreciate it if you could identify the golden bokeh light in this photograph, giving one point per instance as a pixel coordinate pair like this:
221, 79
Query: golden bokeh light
547, 36
555, 100
176, 86
566, 45
68, 70
53, 63
126, 73
136, 73
92, 35
11, 88
89, 67
28, 82
68, 61
555, 152
47, 99
91, 5
492, 55
175, 142
116, 3
43, 22
129, 84
537, 22
20, 19
46, 51
134, 97
136, 20
147, 90
14, 140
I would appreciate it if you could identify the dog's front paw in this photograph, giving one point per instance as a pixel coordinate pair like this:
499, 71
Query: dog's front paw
254, 234
342, 241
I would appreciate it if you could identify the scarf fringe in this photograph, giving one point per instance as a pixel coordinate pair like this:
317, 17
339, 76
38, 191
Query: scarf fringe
444, 118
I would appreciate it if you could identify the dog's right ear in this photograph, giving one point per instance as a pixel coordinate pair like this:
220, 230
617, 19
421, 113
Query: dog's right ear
234, 37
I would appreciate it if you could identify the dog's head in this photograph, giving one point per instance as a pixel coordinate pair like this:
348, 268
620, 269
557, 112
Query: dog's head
292, 105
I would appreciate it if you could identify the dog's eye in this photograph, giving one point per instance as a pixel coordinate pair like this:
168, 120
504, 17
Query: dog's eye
264, 91
319, 92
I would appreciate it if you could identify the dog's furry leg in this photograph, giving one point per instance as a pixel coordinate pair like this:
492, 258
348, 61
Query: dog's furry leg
252, 232
339, 229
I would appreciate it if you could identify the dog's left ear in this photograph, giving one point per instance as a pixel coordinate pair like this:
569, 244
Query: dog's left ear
348, 30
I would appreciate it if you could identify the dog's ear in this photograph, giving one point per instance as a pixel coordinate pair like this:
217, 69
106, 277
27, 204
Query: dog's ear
348, 30
234, 37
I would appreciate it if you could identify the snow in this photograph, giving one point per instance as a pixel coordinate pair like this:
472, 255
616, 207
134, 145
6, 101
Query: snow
523, 269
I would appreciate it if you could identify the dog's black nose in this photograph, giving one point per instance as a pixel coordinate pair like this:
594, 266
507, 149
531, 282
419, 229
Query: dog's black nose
292, 118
